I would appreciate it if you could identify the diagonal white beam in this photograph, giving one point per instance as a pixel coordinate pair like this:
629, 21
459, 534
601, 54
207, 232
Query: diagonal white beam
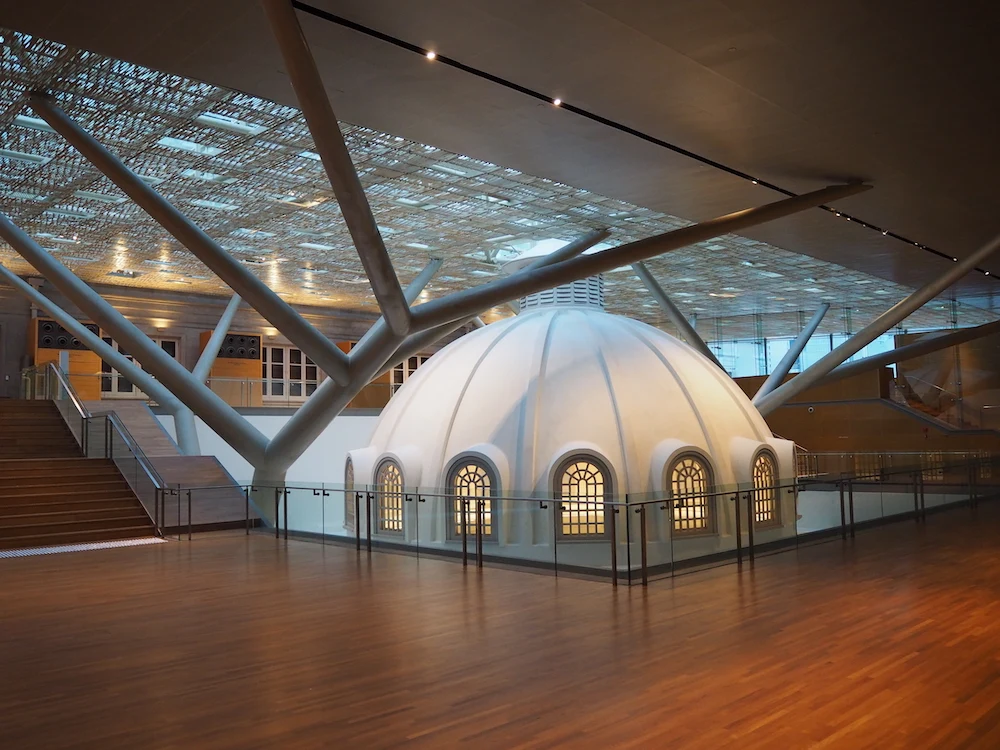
325, 129
275, 310
873, 330
146, 382
470, 302
374, 355
219, 415
785, 365
673, 314
412, 291
204, 365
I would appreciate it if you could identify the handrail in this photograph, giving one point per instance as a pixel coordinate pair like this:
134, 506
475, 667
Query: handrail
81, 408
141, 457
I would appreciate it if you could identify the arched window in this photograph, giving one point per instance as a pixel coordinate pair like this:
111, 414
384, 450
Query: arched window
389, 486
582, 487
470, 480
350, 518
690, 483
765, 494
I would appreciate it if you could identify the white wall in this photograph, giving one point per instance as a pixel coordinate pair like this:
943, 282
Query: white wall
322, 462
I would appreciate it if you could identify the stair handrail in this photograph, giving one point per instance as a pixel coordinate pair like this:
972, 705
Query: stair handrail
140, 455
70, 390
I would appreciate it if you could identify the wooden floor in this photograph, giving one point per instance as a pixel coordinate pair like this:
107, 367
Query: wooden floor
229, 642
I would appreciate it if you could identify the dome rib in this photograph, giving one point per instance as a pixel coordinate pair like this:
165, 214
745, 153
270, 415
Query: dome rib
631, 329
516, 323
536, 405
605, 371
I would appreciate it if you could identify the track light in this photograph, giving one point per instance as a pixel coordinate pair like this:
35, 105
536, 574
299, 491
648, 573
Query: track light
431, 54
557, 102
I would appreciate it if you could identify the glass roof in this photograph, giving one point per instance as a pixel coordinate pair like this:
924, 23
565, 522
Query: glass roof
244, 169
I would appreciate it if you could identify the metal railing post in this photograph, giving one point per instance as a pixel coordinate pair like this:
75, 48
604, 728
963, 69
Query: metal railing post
465, 532
739, 531
368, 519
556, 516
479, 532
284, 493
277, 514
916, 496
246, 509
850, 503
609, 512
750, 520
843, 513
642, 542
357, 520
189, 514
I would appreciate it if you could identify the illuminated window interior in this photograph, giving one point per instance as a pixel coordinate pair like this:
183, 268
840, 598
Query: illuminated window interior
350, 517
765, 506
581, 488
389, 481
471, 481
689, 488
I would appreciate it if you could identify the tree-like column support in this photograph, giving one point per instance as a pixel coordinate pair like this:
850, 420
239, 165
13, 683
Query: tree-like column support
891, 317
673, 314
785, 365
219, 415
274, 309
337, 162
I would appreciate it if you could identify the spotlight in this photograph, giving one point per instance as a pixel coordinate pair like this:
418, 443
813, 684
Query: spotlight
557, 102
885, 232
987, 273
755, 182
431, 55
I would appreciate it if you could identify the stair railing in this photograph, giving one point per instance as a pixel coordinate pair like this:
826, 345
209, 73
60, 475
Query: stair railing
135, 466
56, 387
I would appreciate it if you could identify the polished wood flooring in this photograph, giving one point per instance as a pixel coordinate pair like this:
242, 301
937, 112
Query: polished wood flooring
236, 642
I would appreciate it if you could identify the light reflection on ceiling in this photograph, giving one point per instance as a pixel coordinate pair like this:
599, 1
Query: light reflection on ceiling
244, 170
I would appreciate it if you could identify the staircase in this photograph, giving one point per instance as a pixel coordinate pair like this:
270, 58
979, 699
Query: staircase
49, 493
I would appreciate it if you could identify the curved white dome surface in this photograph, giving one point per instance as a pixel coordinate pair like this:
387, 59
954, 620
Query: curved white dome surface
528, 392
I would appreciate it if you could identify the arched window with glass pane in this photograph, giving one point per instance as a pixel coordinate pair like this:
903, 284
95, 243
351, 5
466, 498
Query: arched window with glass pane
765, 494
582, 488
690, 484
350, 514
471, 481
389, 487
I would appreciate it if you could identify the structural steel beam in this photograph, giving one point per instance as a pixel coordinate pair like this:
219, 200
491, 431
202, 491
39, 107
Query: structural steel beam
873, 330
903, 353
412, 291
146, 382
219, 415
785, 365
676, 317
211, 351
275, 310
315, 104
467, 303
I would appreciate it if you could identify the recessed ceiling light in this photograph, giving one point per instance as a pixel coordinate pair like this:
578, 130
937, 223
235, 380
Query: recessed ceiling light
24, 157
74, 213
315, 246
218, 179
87, 195
23, 196
124, 273
418, 245
557, 102
225, 122
501, 238
217, 205
33, 123
311, 155
431, 55
190, 146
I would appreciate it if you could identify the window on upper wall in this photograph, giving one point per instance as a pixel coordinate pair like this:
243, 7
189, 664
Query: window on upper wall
470, 481
116, 385
581, 489
287, 374
690, 485
350, 512
402, 372
389, 488
765, 493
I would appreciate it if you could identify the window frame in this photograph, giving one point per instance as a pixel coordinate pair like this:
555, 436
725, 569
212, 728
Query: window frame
490, 515
384, 523
772, 490
112, 379
600, 511
709, 499
306, 385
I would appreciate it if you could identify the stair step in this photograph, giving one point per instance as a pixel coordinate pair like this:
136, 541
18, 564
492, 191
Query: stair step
57, 485
74, 476
73, 517
123, 501
33, 526
47, 463
115, 492
51, 540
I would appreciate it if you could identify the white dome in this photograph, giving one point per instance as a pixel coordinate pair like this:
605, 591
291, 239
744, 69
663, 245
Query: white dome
528, 392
